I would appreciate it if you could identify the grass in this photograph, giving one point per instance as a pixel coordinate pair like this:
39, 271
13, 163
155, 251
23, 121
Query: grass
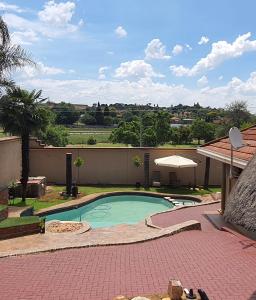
2, 207
53, 197
11, 222
82, 138
93, 129
38, 203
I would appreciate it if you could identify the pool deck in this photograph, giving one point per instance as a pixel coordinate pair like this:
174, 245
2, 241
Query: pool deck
220, 262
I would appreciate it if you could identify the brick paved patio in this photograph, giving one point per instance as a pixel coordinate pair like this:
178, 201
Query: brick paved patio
217, 261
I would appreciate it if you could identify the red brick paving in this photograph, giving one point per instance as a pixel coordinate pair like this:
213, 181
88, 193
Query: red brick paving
189, 213
217, 261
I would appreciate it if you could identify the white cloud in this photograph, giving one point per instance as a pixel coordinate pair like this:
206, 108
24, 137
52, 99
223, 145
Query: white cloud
177, 49
220, 52
120, 32
53, 21
203, 81
10, 7
163, 94
220, 77
24, 37
188, 47
136, 69
58, 14
203, 40
102, 72
40, 70
156, 50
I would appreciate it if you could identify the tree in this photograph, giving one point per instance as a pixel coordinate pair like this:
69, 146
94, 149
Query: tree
185, 134
79, 162
99, 116
202, 130
11, 56
162, 127
237, 113
22, 114
149, 137
55, 135
66, 113
108, 121
106, 111
126, 133
88, 119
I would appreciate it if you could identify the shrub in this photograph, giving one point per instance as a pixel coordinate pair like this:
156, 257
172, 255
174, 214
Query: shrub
137, 161
91, 141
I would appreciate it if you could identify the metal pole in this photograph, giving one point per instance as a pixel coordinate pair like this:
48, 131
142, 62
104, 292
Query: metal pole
194, 179
231, 165
140, 130
231, 168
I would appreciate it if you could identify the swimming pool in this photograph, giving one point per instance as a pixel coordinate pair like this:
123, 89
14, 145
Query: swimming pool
118, 209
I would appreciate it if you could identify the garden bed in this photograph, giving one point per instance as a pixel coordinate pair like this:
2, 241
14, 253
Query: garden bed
14, 227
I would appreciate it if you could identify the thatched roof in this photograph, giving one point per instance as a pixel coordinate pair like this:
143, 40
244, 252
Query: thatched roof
241, 203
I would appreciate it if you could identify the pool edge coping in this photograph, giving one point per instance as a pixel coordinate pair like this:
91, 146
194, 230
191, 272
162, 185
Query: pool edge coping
76, 203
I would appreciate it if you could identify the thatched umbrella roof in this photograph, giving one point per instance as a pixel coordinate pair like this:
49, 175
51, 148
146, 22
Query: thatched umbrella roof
241, 204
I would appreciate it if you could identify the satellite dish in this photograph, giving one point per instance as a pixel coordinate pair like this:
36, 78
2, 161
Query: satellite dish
235, 138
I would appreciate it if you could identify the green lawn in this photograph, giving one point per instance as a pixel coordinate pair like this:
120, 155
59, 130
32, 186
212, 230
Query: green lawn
36, 203
11, 222
53, 198
82, 138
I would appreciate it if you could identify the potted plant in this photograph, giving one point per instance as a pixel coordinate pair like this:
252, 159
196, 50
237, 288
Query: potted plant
137, 162
12, 190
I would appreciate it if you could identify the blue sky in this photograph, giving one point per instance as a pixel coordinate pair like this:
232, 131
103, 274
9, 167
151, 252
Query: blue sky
164, 52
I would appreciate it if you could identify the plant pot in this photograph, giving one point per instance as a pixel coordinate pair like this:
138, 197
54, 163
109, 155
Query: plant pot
138, 185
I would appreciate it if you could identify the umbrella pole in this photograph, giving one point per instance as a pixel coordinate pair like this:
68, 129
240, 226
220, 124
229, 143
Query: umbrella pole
194, 188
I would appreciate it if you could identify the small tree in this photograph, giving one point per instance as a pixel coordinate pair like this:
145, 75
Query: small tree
79, 162
237, 113
137, 161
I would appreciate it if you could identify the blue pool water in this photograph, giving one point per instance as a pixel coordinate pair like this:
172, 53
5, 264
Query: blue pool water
113, 210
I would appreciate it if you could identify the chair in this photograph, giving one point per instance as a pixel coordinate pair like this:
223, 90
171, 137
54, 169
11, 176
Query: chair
173, 180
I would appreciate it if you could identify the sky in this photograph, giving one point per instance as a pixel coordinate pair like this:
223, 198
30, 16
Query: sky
162, 52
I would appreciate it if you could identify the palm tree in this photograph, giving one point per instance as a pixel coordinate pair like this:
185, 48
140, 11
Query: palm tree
22, 114
11, 56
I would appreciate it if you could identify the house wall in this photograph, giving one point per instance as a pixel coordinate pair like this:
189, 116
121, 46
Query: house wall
114, 165
10, 160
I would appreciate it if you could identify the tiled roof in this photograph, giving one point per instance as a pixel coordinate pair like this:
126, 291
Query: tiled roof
222, 145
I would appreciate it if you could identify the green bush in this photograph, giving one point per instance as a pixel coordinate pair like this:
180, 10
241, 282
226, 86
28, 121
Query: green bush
91, 141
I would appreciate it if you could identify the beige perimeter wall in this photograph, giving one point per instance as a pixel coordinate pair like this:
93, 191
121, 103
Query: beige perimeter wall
10, 160
114, 165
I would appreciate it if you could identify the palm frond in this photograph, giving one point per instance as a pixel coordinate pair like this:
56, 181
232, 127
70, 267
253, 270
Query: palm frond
12, 57
4, 32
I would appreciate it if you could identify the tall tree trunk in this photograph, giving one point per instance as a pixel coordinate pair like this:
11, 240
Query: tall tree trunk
25, 164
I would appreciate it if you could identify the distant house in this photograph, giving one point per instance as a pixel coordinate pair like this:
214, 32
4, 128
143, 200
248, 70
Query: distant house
220, 150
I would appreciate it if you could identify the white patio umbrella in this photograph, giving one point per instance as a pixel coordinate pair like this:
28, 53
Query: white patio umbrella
176, 161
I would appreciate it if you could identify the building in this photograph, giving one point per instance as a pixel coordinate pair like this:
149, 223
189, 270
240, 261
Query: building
220, 150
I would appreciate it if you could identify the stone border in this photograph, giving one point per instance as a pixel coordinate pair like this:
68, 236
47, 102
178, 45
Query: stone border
76, 203
168, 231
86, 227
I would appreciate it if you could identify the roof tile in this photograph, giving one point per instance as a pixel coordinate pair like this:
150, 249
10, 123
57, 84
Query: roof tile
222, 145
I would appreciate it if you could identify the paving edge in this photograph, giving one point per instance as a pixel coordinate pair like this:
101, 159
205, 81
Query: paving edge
149, 221
168, 231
